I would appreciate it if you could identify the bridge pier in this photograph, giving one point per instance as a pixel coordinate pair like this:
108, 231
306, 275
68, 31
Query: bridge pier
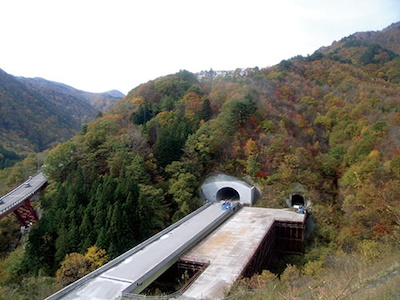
26, 214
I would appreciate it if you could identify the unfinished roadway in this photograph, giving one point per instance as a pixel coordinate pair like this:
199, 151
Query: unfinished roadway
136, 269
240, 246
230, 249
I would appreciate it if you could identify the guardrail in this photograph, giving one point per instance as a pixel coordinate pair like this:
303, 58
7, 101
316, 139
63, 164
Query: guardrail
23, 198
123, 256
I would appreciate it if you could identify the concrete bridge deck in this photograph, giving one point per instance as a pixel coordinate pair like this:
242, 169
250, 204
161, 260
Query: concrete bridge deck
134, 270
231, 247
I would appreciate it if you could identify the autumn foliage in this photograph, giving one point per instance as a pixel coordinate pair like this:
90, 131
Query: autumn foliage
325, 125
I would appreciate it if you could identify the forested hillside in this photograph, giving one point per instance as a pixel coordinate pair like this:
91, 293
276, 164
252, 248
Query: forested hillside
328, 124
67, 95
36, 113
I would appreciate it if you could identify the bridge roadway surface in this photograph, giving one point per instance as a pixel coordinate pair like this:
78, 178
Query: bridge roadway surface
231, 247
18, 195
151, 258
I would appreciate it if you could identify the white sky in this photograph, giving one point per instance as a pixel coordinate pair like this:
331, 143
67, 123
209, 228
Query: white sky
98, 45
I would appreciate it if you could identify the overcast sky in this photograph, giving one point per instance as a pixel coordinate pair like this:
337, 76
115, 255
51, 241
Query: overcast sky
97, 45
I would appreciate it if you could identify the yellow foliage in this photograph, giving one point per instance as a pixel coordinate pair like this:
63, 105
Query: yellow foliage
73, 267
166, 118
112, 117
76, 265
137, 101
374, 154
251, 147
369, 250
323, 120
97, 256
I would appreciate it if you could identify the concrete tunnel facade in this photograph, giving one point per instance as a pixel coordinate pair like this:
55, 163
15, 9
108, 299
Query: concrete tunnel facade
224, 187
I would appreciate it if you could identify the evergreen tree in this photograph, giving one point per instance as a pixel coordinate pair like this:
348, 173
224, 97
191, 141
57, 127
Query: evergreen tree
205, 112
40, 250
153, 211
170, 142
63, 245
104, 198
102, 240
116, 231
87, 230
74, 238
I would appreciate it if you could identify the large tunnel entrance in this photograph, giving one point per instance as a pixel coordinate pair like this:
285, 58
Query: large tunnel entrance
227, 193
297, 200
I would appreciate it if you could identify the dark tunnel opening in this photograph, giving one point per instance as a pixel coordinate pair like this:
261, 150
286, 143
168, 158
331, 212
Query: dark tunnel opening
297, 200
227, 193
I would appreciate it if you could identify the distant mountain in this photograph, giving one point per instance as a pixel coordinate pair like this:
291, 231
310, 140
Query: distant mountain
36, 113
99, 101
115, 94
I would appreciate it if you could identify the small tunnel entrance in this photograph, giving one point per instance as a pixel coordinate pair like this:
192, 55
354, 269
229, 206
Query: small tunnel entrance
297, 200
227, 193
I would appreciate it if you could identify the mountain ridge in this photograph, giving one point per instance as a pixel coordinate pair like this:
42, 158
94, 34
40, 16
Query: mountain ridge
100, 101
37, 113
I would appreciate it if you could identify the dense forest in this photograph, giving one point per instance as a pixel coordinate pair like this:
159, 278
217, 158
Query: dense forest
328, 124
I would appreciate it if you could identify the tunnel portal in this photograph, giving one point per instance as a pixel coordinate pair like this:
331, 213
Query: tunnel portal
225, 187
227, 193
297, 200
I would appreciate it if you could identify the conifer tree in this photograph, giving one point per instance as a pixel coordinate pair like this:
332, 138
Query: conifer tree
102, 241
205, 111
87, 230
63, 245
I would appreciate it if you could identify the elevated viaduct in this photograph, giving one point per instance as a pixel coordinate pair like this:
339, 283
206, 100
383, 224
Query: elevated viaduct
18, 200
222, 243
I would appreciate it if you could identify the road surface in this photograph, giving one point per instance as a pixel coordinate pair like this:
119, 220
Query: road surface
14, 198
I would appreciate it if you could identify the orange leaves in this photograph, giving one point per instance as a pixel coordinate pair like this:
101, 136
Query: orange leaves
137, 101
192, 104
380, 230
251, 147
191, 97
